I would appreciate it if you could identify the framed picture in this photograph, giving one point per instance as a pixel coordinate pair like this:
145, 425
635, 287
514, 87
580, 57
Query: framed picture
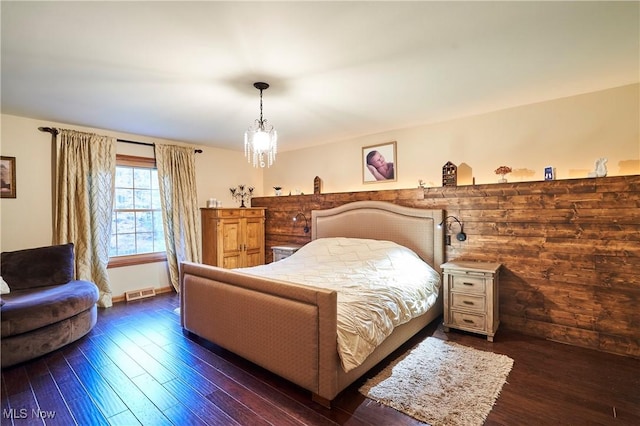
379, 163
8, 175
549, 173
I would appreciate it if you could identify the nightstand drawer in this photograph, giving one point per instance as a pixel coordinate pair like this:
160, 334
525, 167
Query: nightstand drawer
469, 302
470, 321
468, 283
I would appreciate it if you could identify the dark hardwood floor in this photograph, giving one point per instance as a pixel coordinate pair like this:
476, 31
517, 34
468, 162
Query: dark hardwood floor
137, 367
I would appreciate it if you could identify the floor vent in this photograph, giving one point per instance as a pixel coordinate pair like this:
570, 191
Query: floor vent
139, 294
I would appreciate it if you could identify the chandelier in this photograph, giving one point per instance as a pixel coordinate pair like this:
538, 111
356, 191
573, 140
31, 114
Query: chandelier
261, 139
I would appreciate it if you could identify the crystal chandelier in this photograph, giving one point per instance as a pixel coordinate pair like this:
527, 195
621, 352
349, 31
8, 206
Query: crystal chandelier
261, 139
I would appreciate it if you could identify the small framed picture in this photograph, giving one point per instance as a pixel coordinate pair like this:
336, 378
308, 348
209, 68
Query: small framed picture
379, 163
549, 173
8, 175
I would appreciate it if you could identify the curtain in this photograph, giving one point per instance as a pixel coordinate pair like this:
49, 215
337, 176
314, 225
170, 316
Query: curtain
179, 202
85, 173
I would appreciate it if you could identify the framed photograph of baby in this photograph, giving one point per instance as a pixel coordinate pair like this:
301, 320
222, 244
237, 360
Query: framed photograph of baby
379, 163
8, 175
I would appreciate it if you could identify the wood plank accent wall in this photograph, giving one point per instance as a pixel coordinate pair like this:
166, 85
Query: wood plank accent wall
570, 250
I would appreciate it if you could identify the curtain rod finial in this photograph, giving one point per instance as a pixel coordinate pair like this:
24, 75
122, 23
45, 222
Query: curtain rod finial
51, 130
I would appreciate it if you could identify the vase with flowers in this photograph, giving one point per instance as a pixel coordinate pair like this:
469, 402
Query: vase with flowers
503, 171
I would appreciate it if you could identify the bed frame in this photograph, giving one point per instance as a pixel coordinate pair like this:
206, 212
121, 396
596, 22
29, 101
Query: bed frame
290, 329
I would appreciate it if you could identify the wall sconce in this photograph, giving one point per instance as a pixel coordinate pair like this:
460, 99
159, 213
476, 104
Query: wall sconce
306, 222
460, 236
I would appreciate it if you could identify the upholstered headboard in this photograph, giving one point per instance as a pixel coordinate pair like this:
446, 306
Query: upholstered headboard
414, 228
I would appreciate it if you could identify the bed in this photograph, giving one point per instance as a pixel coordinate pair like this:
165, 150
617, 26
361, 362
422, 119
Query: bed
291, 329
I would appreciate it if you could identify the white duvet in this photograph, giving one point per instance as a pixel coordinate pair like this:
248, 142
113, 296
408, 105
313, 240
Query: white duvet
380, 285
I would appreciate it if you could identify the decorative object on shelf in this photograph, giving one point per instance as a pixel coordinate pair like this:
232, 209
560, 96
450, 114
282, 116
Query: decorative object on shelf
8, 174
379, 163
549, 173
460, 236
600, 168
261, 139
306, 222
242, 194
503, 171
524, 173
278, 190
317, 185
449, 174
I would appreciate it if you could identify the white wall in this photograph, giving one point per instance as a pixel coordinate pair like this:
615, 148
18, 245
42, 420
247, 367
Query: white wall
27, 220
569, 134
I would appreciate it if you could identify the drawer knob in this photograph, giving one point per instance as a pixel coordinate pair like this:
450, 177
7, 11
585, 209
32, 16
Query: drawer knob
466, 283
468, 302
468, 321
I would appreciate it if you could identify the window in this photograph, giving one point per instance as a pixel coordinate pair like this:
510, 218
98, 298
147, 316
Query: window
137, 235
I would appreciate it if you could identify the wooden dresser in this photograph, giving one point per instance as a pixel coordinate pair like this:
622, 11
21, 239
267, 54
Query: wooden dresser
471, 297
233, 238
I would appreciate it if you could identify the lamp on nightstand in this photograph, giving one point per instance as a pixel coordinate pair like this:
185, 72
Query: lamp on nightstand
460, 236
306, 222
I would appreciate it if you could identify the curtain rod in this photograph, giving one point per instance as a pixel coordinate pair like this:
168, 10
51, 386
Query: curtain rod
54, 132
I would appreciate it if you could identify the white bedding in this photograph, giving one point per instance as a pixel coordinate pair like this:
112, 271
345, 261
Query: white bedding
380, 285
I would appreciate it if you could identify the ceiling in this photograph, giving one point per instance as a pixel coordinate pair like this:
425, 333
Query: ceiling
185, 70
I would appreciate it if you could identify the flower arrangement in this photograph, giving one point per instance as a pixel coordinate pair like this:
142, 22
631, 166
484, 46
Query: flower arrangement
502, 171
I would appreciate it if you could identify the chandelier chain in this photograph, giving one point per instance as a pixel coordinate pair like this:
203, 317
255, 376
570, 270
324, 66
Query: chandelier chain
261, 120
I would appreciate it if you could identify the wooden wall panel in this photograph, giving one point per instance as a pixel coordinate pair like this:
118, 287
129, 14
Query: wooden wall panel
570, 250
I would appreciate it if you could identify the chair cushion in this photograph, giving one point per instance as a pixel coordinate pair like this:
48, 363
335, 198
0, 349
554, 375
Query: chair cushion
38, 267
26, 310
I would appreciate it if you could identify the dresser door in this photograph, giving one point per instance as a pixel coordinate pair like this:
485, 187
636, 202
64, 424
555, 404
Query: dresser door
231, 243
254, 241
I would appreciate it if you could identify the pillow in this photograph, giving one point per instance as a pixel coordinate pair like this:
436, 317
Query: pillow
4, 287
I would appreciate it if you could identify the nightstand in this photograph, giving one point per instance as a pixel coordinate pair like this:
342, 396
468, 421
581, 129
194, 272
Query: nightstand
471, 297
284, 251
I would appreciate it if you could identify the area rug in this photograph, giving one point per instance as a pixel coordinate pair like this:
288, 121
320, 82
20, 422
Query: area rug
442, 383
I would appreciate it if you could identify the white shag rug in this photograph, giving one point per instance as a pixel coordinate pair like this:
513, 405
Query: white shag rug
442, 383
